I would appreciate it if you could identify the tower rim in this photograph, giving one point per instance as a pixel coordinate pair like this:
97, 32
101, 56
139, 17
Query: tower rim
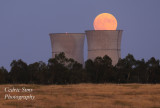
103, 30
65, 33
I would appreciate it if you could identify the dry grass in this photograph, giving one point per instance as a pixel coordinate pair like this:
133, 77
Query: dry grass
86, 96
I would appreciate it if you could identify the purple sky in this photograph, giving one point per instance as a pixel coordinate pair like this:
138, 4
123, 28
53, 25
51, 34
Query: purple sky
25, 25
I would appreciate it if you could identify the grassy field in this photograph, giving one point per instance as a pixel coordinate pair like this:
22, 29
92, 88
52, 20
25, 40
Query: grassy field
85, 96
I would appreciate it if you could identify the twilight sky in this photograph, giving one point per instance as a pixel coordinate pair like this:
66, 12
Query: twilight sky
25, 25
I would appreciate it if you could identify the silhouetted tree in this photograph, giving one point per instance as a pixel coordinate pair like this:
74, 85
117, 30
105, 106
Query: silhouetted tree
38, 73
19, 72
59, 73
152, 70
76, 74
3, 75
90, 70
100, 70
125, 68
140, 71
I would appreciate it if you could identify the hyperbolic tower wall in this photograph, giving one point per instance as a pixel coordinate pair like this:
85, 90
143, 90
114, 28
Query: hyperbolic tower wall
104, 42
71, 44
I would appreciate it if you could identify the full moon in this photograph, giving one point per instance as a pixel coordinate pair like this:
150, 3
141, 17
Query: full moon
105, 21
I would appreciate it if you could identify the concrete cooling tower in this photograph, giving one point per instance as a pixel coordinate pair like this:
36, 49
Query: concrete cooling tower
104, 42
71, 44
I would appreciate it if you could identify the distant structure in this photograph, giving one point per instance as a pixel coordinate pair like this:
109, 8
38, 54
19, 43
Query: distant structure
71, 44
104, 42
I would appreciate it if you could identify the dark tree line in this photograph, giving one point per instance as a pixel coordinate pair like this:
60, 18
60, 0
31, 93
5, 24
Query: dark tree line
62, 70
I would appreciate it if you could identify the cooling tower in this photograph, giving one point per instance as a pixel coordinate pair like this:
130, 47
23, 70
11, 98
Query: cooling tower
70, 43
104, 42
